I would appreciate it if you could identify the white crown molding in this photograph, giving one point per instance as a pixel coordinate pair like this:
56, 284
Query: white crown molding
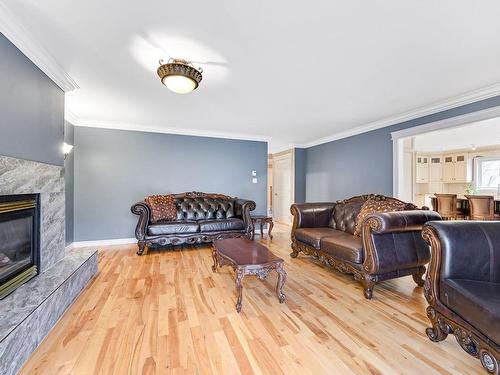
117, 241
70, 117
457, 101
116, 125
27, 44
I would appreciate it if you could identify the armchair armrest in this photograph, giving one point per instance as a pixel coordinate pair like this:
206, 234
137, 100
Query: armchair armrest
400, 221
464, 249
141, 209
392, 240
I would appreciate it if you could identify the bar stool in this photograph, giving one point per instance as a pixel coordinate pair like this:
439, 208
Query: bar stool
482, 207
446, 206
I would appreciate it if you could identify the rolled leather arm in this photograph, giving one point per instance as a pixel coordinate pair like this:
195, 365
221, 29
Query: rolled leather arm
399, 221
311, 215
141, 209
243, 208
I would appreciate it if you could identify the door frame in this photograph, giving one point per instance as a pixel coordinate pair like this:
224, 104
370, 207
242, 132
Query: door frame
281, 155
398, 136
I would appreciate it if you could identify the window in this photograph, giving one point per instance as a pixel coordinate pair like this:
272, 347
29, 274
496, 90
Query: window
488, 173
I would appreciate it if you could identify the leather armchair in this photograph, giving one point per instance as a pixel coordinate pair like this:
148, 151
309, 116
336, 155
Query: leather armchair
462, 287
390, 244
201, 218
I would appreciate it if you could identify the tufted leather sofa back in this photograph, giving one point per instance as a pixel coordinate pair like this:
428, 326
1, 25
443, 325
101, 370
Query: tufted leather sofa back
345, 214
204, 207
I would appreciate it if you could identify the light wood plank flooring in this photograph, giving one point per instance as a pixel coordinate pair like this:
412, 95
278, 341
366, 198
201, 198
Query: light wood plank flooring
166, 312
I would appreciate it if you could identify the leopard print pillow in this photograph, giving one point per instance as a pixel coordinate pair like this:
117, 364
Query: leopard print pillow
162, 207
374, 205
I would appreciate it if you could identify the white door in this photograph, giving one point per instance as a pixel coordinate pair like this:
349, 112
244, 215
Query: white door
282, 188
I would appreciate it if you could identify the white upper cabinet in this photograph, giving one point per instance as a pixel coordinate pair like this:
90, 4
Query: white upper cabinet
422, 169
436, 169
456, 168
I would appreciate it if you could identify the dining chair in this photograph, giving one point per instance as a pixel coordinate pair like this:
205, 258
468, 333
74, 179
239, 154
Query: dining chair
481, 207
446, 206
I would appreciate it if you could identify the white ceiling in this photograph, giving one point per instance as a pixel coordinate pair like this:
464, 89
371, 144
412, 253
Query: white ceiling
478, 134
292, 71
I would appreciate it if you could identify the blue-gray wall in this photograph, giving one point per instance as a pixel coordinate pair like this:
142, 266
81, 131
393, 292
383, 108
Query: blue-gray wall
363, 163
300, 175
69, 179
31, 109
116, 168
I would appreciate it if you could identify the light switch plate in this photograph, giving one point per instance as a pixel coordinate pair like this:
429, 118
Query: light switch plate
254, 173
254, 180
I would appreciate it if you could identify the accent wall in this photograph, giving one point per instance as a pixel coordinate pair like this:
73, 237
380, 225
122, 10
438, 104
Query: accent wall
31, 109
114, 169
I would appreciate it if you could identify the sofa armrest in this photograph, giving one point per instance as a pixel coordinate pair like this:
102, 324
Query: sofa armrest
242, 211
392, 240
399, 221
141, 209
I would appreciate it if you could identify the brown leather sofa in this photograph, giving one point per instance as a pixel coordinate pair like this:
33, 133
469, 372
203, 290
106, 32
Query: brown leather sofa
462, 287
390, 245
201, 218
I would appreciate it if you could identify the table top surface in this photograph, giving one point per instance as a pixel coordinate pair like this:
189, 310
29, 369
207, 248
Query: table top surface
245, 252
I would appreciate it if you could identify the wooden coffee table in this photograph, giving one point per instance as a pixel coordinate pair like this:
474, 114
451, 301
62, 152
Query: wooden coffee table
248, 258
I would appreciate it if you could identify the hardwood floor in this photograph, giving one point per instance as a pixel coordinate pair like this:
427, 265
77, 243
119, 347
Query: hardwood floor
167, 312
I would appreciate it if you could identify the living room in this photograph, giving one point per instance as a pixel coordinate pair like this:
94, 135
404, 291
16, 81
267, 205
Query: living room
305, 188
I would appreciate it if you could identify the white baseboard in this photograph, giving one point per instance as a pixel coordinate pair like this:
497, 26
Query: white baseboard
117, 241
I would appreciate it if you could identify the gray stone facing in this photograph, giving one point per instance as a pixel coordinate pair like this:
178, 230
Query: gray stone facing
29, 314
27, 177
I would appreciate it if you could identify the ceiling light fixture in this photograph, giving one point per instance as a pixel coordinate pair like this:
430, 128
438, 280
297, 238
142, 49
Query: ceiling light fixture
180, 76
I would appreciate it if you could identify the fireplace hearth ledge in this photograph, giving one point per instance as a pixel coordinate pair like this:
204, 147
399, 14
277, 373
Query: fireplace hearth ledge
29, 313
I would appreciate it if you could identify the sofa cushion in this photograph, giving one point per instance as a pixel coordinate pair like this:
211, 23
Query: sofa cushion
313, 236
162, 208
376, 205
173, 227
477, 302
343, 246
221, 225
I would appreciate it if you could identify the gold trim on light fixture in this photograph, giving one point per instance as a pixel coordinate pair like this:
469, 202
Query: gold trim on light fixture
179, 75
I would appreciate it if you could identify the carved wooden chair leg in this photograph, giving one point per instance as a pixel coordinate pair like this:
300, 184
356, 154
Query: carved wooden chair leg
142, 247
437, 332
418, 277
368, 283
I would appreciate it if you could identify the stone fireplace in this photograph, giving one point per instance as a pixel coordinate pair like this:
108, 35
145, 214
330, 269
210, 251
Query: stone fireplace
19, 240
39, 279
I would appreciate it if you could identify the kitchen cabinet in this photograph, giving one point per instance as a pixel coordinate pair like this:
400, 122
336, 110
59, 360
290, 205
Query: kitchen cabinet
436, 169
456, 168
422, 169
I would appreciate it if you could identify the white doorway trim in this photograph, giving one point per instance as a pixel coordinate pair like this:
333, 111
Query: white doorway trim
397, 137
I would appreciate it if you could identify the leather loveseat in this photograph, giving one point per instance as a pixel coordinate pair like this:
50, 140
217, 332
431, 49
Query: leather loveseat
390, 244
462, 287
201, 217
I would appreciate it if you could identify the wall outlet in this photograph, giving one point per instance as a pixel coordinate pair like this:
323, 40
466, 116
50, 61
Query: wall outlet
254, 180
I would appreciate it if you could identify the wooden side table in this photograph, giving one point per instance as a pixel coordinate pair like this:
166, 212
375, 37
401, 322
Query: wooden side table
262, 219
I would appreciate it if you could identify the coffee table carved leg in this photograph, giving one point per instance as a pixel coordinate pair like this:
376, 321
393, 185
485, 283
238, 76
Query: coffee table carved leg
271, 225
281, 283
214, 257
239, 288
261, 229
